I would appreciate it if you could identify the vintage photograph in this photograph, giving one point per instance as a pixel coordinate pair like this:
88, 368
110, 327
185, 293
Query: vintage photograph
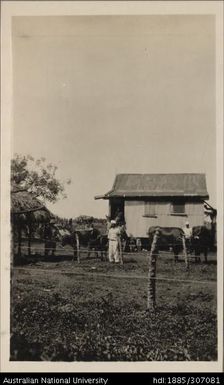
113, 189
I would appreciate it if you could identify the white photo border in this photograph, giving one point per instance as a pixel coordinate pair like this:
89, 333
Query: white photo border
57, 8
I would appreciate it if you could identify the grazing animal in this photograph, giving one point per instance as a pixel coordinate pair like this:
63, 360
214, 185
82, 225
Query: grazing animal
87, 236
72, 240
93, 241
90, 239
51, 237
99, 246
103, 246
201, 241
132, 244
124, 239
50, 247
169, 238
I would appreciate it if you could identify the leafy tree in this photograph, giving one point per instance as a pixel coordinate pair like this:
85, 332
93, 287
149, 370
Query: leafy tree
32, 179
37, 177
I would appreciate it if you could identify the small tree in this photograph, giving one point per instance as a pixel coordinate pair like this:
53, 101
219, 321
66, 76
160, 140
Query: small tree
37, 177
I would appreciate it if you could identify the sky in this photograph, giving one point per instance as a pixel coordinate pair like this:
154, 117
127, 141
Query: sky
102, 95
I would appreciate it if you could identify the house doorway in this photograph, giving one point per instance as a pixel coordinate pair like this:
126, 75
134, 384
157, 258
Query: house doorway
117, 209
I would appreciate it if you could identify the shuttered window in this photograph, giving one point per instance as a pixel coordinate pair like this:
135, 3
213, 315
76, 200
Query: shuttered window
178, 208
150, 209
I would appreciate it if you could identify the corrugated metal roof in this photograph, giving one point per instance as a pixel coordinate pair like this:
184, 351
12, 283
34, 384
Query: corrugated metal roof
163, 185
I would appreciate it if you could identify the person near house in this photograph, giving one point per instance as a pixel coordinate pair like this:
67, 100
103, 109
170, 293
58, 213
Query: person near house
188, 235
114, 234
108, 224
132, 244
208, 221
139, 244
119, 218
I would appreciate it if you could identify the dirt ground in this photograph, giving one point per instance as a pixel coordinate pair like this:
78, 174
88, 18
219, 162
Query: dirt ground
96, 311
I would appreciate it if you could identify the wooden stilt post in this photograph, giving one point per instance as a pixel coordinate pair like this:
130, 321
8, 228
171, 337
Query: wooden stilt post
77, 248
151, 299
185, 253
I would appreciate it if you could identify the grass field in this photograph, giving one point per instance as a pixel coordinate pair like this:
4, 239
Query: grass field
96, 311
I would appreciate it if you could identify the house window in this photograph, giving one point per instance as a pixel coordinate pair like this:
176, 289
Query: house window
150, 209
177, 208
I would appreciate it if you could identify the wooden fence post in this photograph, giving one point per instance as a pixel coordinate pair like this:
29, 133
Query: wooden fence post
185, 253
120, 250
151, 299
29, 240
19, 240
76, 248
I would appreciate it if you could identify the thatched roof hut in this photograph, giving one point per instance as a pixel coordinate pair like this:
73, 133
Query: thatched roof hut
24, 207
26, 212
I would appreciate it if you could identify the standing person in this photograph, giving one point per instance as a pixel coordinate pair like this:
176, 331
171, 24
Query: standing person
108, 222
119, 218
114, 234
139, 244
187, 234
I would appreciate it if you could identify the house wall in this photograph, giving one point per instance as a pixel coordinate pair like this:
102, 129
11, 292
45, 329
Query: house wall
138, 225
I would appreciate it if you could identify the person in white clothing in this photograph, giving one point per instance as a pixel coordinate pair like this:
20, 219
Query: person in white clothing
114, 242
187, 230
188, 235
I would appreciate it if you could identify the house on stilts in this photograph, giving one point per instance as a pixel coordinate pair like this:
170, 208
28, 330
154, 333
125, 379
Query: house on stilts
166, 200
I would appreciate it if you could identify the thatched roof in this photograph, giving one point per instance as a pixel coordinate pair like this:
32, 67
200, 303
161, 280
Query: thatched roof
161, 185
24, 204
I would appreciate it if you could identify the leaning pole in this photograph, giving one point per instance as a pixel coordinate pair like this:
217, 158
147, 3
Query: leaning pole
186, 257
76, 246
120, 251
151, 297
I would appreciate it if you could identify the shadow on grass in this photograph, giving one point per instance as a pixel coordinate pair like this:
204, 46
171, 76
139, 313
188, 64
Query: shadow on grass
32, 259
